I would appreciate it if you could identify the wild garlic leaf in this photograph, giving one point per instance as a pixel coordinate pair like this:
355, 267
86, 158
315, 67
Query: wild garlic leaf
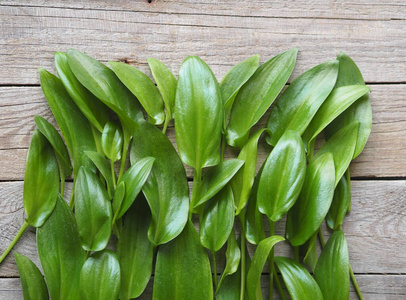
341, 202
299, 283
282, 176
41, 181
143, 88
103, 166
257, 95
233, 256
199, 114
300, 101
311, 258
112, 141
314, 201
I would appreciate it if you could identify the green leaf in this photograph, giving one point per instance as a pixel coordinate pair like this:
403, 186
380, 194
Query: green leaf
342, 146
57, 143
215, 179
75, 128
234, 79
118, 199
298, 281
175, 279
41, 181
218, 220
233, 256
100, 277
135, 252
361, 110
310, 258
103, 166
257, 265
332, 269
282, 177
166, 189
61, 253
341, 203
32, 281
337, 102
95, 111
257, 95
93, 211
134, 178
112, 141
199, 114
166, 83
244, 178
143, 88
314, 201
299, 103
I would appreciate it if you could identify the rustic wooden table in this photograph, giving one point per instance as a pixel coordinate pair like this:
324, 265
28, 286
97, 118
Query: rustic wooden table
223, 33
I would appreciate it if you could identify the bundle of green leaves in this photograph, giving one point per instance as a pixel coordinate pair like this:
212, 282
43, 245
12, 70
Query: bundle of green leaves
122, 222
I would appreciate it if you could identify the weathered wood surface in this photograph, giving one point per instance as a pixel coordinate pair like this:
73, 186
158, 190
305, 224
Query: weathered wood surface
384, 155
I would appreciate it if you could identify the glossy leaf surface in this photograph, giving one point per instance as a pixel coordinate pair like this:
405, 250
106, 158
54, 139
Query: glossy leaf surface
299, 103
41, 181
218, 220
257, 265
257, 95
199, 114
32, 281
112, 141
174, 277
332, 269
134, 250
143, 88
233, 256
100, 277
166, 189
298, 281
314, 201
61, 253
341, 203
92, 210
103, 166
282, 177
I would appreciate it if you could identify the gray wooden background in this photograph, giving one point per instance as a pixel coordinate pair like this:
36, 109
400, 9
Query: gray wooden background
372, 32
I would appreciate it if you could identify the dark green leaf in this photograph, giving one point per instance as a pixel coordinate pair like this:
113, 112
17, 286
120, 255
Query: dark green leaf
298, 281
103, 166
118, 199
41, 181
233, 256
100, 277
299, 103
93, 211
310, 258
199, 114
135, 251
332, 269
282, 177
218, 220
112, 141
341, 202
32, 281
143, 88
314, 201
61, 253
166, 189
257, 95
175, 279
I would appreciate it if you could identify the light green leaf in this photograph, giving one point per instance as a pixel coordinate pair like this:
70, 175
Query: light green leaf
299, 103
175, 279
93, 211
218, 220
60, 253
332, 269
233, 256
257, 95
103, 166
112, 141
100, 277
143, 88
199, 114
298, 281
166, 189
41, 181
314, 201
341, 202
282, 177
257, 265
119, 194
32, 281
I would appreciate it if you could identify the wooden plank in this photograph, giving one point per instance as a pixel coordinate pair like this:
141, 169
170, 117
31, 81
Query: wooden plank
376, 222
30, 35
384, 155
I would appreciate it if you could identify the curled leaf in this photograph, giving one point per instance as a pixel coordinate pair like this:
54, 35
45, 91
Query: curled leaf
233, 256
341, 202
103, 166
112, 141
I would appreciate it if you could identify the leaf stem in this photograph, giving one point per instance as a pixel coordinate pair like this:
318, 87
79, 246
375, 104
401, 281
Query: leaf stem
270, 259
20, 233
197, 179
167, 119
214, 254
123, 158
72, 197
321, 237
62, 176
113, 174
278, 284
243, 229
